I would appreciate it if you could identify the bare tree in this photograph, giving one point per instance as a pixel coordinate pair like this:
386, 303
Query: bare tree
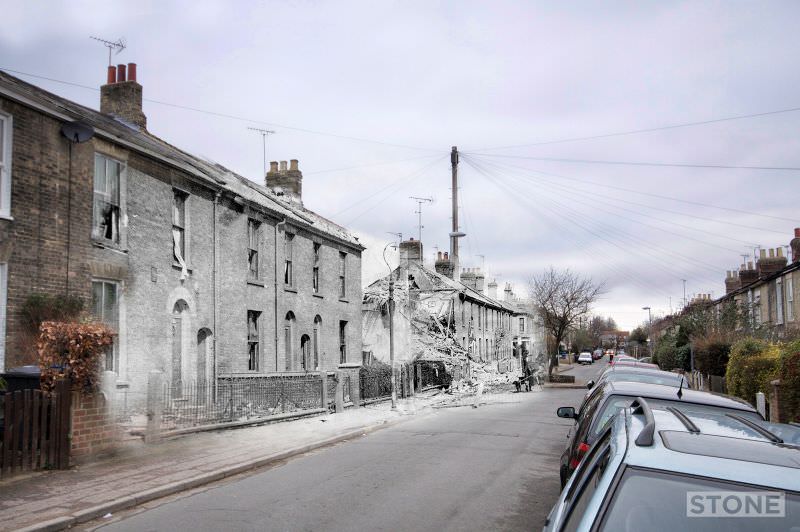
561, 298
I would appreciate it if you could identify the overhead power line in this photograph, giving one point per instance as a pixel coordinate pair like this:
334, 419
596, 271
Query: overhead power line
642, 163
644, 130
233, 117
653, 195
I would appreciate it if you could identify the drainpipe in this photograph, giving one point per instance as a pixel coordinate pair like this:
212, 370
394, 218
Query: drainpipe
281, 223
214, 288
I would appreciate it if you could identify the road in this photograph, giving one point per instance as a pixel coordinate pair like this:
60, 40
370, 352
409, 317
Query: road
489, 468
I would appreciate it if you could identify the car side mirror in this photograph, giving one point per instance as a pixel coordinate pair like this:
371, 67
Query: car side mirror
589, 385
567, 412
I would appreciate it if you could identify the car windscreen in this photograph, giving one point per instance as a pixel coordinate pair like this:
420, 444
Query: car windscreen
650, 500
705, 415
667, 380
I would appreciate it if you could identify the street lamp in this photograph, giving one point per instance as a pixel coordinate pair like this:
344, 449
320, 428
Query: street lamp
649, 328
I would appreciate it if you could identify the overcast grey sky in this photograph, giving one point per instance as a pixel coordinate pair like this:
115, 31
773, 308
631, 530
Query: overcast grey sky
420, 77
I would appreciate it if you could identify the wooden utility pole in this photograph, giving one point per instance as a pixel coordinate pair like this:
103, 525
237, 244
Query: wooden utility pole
455, 234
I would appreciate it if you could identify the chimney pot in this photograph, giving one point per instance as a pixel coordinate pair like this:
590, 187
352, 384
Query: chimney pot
771, 253
283, 166
779, 252
112, 74
293, 165
131, 71
762, 253
446, 255
120, 73
273, 166
438, 255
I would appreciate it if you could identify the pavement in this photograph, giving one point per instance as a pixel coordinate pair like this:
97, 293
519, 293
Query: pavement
137, 473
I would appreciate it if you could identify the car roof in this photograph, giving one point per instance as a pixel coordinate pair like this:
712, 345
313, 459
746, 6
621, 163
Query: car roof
722, 449
660, 391
630, 368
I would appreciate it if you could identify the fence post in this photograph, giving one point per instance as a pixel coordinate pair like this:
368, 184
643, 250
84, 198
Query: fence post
761, 404
324, 376
339, 398
154, 405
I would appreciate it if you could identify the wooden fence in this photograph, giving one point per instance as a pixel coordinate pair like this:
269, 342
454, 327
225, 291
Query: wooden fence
35, 430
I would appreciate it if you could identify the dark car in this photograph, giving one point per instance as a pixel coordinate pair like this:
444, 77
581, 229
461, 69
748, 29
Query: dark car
641, 374
607, 398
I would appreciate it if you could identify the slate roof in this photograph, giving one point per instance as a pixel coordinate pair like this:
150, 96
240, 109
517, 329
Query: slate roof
130, 135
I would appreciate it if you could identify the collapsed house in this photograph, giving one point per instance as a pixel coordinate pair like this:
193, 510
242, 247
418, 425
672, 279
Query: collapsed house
438, 318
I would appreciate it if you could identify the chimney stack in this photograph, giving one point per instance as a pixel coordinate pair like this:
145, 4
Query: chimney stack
732, 282
288, 178
443, 265
747, 274
770, 262
410, 252
492, 286
795, 245
121, 96
508, 295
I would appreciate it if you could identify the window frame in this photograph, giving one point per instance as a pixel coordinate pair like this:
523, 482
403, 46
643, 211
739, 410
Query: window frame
315, 284
342, 275
121, 173
115, 348
779, 301
342, 342
288, 258
253, 248
315, 339
184, 230
789, 289
6, 143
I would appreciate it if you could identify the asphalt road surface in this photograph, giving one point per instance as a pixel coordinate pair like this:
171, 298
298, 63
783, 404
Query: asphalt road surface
489, 468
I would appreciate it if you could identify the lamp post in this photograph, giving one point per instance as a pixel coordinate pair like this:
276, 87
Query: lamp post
649, 328
391, 327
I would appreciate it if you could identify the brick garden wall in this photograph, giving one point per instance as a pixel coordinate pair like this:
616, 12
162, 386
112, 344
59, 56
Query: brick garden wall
94, 430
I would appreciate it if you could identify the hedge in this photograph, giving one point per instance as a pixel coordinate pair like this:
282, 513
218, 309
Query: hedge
752, 365
789, 374
711, 355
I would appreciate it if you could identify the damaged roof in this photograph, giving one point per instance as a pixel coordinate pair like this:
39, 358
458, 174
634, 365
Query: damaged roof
427, 280
135, 138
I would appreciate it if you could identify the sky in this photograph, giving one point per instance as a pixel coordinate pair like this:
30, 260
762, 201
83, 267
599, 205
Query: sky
370, 96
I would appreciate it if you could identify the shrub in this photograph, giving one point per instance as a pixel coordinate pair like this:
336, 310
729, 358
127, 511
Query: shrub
711, 354
375, 379
789, 374
752, 365
72, 350
669, 356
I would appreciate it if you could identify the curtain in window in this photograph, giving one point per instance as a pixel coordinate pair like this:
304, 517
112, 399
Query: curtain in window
176, 249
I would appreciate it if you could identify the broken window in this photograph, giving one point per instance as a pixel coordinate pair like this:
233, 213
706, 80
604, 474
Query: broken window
315, 270
252, 340
288, 276
106, 210
253, 231
342, 342
179, 230
342, 275
105, 309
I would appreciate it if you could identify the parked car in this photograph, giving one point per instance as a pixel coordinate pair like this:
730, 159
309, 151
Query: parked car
607, 398
585, 358
634, 373
627, 361
640, 473
597, 354
646, 360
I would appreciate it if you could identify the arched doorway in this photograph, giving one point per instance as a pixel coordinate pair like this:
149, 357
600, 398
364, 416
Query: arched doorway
305, 350
180, 318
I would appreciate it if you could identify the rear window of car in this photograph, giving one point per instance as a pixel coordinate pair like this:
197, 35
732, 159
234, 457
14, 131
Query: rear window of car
649, 500
707, 413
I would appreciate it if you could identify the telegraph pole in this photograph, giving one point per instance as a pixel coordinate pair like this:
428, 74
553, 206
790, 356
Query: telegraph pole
390, 304
455, 234
684, 293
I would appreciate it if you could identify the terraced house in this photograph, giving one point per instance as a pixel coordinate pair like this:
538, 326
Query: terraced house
202, 272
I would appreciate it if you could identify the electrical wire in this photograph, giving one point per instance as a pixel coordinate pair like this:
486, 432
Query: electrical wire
645, 130
641, 163
369, 165
234, 117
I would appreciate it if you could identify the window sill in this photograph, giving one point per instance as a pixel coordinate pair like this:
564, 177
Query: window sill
176, 266
6, 217
291, 289
104, 244
343, 300
255, 282
319, 296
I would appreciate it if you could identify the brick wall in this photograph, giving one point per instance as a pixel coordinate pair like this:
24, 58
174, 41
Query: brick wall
94, 430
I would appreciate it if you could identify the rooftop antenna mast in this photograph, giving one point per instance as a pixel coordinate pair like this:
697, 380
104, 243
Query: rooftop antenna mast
418, 212
264, 134
117, 45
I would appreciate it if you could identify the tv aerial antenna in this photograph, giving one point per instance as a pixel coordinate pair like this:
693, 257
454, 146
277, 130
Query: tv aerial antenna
418, 212
117, 45
264, 134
